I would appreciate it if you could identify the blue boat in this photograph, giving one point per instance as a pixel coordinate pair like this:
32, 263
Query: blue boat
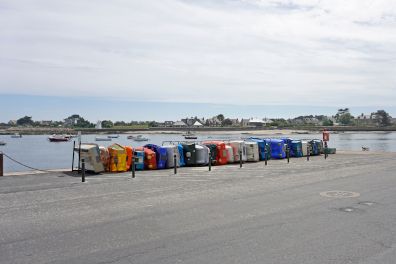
287, 141
278, 149
295, 148
161, 155
315, 147
181, 154
139, 162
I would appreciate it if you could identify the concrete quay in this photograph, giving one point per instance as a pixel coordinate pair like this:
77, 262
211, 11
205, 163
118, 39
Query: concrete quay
339, 210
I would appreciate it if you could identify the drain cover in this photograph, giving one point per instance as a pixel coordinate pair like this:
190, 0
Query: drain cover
347, 209
340, 194
366, 203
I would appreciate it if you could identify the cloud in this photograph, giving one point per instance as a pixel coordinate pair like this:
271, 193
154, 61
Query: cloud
240, 52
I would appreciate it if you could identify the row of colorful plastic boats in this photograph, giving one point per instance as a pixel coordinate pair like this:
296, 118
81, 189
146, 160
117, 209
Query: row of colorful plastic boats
117, 158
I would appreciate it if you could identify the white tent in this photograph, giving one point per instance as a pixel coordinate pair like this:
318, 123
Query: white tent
197, 124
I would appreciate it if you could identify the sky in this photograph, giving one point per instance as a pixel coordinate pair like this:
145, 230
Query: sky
177, 58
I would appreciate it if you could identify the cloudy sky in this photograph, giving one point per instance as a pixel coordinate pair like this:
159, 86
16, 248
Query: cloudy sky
333, 53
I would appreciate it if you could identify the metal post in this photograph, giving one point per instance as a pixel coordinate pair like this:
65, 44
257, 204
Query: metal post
240, 158
288, 154
174, 164
83, 170
1, 164
74, 145
308, 152
210, 161
79, 156
265, 156
325, 151
133, 165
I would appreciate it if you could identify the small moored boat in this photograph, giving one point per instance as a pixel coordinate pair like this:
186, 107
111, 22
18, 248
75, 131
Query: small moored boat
102, 139
190, 135
113, 136
16, 135
137, 138
2, 143
58, 138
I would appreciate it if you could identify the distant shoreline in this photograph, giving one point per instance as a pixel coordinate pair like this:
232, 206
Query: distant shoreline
178, 130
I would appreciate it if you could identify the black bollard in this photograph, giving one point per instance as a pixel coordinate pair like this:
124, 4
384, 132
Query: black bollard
288, 155
325, 151
174, 164
265, 156
79, 156
1, 164
133, 166
308, 152
82, 170
74, 145
240, 159
210, 161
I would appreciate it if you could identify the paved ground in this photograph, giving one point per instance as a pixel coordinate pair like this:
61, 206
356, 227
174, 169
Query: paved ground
258, 214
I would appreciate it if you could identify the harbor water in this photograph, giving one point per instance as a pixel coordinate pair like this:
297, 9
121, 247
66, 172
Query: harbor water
36, 151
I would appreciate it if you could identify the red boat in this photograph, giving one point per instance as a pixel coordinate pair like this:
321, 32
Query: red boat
57, 138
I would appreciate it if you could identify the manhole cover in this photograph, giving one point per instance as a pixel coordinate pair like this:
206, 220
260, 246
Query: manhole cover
347, 209
340, 194
367, 203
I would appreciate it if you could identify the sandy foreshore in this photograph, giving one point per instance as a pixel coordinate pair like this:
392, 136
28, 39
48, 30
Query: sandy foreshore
230, 132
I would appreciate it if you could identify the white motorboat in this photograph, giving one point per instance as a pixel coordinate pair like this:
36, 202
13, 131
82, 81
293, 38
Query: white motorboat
16, 135
102, 139
190, 135
58, 138
137, 138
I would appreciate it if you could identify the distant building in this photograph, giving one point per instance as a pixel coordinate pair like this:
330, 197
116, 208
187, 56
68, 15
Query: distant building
12, 122
256, 122
214, 121
234, 121
168, 123
267, 121
46, 123
311, 120
98, 125
244, 122
363, 119
179, 124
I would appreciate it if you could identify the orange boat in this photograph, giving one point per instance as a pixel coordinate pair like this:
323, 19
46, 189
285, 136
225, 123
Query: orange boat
129, 153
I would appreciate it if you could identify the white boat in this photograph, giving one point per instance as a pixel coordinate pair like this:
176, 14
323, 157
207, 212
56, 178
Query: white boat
16, 135
91, 154
137, 138
2, 143
102, 139
237, 146
252, 151
202, 154
58, 138
190, 135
